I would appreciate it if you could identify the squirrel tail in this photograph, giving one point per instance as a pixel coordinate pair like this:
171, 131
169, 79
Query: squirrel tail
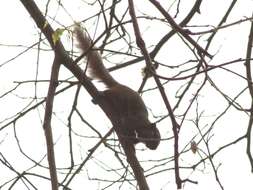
94, 60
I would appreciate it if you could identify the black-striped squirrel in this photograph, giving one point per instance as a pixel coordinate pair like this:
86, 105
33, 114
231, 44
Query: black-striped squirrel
127, 104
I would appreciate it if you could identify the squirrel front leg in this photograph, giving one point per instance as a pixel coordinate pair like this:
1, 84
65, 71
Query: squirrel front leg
98, 98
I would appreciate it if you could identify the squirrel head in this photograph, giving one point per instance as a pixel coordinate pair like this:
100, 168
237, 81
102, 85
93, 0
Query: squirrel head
150, 136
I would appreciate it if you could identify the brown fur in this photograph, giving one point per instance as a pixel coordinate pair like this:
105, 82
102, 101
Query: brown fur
128, 105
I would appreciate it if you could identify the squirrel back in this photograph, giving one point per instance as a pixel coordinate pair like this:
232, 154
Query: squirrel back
127, 103
94, 61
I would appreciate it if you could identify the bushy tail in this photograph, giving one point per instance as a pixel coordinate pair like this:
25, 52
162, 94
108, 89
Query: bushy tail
94, 60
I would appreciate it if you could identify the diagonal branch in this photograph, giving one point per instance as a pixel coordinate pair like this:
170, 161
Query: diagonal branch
86, 83
179, 29
164, 39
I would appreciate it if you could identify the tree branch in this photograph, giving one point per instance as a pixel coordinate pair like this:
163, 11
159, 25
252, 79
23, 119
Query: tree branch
78, 73
249, 77
179, 29
47, 121
141, 44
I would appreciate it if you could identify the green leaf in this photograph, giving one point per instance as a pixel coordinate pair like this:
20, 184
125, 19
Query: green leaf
45, 25
57, 35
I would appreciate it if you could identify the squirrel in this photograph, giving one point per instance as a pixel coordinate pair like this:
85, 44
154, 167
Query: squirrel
127, 104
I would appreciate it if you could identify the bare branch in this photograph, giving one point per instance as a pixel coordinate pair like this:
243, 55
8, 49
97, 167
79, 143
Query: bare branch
249, 74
